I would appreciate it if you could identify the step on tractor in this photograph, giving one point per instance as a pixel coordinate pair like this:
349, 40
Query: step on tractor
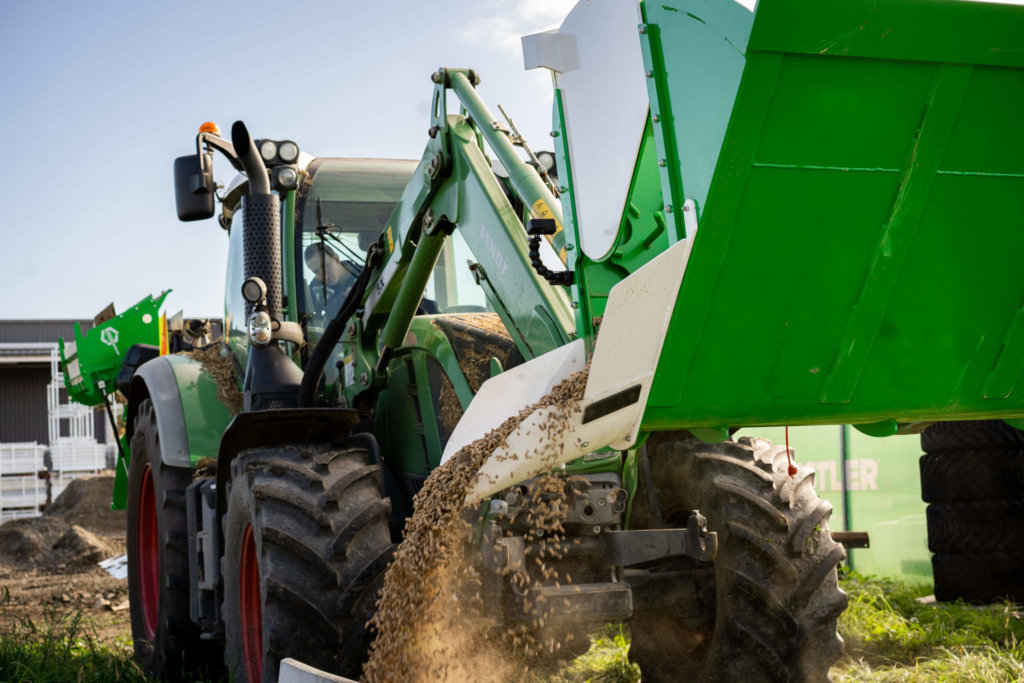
803, 213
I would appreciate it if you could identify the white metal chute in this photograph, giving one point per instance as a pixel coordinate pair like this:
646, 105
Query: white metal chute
598, 69
503, 396
623, 364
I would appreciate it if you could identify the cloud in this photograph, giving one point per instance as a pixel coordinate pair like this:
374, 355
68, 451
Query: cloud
499, 28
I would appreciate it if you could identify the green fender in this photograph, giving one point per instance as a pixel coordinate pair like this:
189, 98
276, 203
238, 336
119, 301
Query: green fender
190, 416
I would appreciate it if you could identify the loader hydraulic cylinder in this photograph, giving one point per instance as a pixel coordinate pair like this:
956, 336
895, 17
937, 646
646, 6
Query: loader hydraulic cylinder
408, 299
524, 179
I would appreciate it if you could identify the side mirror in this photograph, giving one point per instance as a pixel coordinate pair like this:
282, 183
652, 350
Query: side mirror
193, 189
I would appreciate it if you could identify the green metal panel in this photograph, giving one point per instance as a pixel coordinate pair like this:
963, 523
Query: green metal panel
580, 290
858, 252
694, 51
405, 423
425, 335
949, 31
529, 307
885, 501
91, 364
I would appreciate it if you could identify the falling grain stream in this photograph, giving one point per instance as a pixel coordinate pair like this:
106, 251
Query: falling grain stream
431, 622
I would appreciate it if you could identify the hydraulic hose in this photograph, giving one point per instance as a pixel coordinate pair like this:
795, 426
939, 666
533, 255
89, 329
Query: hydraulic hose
335, 328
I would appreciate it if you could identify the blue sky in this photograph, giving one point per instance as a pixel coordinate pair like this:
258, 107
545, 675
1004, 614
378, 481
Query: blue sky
98, 98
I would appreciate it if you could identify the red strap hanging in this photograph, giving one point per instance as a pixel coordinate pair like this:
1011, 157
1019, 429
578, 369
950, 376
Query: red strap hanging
789, 457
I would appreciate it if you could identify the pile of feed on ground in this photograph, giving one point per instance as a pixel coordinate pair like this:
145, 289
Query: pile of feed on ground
49, 563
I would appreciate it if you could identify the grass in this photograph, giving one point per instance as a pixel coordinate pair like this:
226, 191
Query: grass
889, 634
61, 648
607, 661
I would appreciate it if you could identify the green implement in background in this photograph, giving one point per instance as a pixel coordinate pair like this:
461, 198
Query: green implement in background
880, 494
92, 361
858, 172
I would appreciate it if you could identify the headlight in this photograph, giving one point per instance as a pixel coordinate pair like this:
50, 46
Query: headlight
259, 328
254, 290
288, 151
268, 150
287, 178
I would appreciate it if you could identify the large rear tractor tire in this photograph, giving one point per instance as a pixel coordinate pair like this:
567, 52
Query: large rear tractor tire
167, 642
767, 610
306, 545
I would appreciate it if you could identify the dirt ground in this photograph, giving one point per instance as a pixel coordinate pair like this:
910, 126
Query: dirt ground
48, 564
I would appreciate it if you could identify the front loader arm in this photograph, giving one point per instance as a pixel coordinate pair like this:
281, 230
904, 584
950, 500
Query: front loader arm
454, 188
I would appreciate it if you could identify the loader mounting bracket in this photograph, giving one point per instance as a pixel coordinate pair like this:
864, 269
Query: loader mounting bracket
625, 548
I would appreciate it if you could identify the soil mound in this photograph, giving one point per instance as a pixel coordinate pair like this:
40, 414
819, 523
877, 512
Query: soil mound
79, 529
79, 547
24, 541
86, 502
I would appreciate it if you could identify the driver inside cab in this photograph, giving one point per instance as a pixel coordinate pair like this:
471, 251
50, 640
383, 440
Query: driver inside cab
332, 278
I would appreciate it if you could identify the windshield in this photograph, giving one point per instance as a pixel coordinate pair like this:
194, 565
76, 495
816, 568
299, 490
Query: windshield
343, 207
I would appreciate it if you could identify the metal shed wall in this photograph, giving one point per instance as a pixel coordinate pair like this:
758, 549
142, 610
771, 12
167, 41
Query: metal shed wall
25, 374
23, 403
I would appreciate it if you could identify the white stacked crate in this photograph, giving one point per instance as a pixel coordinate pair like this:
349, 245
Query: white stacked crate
74, 419
21, 458
22, 492
75, 453
73, 458
18, 513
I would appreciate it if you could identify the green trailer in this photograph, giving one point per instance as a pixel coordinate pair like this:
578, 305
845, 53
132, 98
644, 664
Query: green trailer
865, 206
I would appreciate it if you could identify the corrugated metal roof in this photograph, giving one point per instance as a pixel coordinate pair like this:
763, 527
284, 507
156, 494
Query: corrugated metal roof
26, 331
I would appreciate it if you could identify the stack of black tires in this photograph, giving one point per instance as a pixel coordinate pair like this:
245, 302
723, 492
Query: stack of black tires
972, 476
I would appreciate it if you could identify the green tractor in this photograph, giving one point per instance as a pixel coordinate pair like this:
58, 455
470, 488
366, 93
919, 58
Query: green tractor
805, 214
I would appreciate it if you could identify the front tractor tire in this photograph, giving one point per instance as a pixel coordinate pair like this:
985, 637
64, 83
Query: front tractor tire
307, 541
768, 609
167, 642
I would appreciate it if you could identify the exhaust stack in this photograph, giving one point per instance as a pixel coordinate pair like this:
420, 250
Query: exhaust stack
271, 379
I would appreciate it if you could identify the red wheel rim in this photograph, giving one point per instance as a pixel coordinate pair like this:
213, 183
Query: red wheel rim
148, 558
251, 609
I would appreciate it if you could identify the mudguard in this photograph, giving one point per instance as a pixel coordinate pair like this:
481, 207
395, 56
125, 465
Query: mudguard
190, 415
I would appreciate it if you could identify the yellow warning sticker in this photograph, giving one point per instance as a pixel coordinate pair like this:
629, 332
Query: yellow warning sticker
391, 242
541, 209
165, 342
